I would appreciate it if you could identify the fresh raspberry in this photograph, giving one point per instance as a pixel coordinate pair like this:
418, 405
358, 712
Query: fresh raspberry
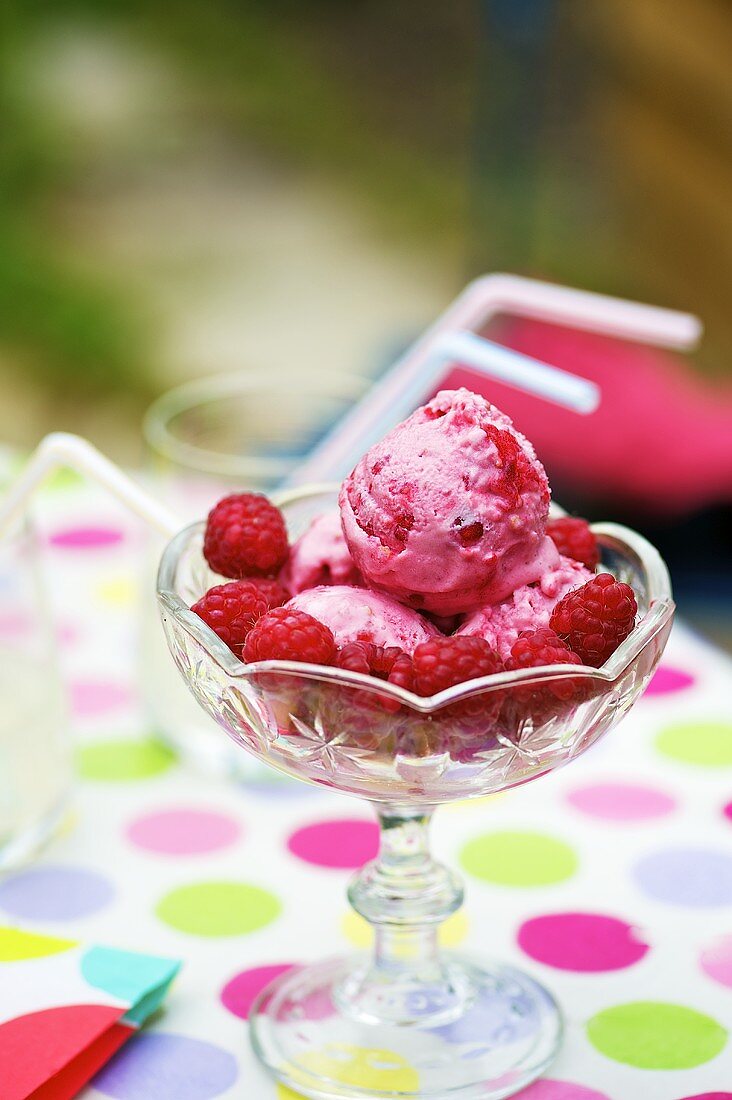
231, 610
595, 618
245, 537
401, 672
542, 646
272, 590
573, 538
536, 648
354, 657
443, 662
466, 727
284, 634
383, 662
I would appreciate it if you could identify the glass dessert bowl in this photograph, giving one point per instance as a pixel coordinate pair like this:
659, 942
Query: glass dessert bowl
408, 1020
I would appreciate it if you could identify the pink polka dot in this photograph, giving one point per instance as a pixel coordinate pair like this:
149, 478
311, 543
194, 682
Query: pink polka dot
559, 1090
183, 832
667, 680
67, 633
727, 811
344, 843
587, 942
86, 538
709, 1096
621, 801
93, 697
14, 624
716, 960
240, 993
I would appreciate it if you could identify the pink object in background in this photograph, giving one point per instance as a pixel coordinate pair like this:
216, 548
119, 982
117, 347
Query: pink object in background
660, 440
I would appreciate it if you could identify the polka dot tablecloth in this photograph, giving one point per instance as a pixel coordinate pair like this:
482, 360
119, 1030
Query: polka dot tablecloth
610, 881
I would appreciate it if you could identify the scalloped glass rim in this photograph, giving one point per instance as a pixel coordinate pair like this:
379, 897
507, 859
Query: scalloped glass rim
656, 600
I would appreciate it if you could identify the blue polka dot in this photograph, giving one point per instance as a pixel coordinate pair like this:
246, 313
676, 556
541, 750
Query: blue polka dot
160, 1066
693, 877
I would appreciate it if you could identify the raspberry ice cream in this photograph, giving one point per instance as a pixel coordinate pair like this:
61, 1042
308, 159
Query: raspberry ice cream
320, 556
360, 615
528, 608
448, 512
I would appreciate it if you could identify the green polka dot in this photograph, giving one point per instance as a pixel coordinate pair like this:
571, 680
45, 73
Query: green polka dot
655, 1035
218, 908
705, 743
518, 859
15, 945
124, 759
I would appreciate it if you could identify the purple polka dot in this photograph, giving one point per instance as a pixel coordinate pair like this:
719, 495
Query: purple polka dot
587, 942
693, 877
716, 960
240, 993
344, 843
90, 698
667, 680
621, 801
183, 832
167, 1067
559, 1090
55, 893
86, 538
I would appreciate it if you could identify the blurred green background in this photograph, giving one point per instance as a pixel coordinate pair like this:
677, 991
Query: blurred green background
202, 187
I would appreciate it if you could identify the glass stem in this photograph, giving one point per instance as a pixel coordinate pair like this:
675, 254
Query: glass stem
405, 894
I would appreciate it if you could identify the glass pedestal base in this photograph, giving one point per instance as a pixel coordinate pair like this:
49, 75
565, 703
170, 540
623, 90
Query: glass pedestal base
343, 1028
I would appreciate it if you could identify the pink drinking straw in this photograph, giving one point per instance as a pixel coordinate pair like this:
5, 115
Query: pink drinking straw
454, 338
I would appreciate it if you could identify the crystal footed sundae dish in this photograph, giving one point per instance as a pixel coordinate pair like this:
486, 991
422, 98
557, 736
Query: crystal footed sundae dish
431, 630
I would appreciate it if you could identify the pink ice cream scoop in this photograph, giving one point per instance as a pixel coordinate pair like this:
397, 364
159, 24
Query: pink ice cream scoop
359, 615
448, 512
529, 607
320, 556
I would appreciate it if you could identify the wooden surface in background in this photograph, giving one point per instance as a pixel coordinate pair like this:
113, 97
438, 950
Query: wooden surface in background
664, 107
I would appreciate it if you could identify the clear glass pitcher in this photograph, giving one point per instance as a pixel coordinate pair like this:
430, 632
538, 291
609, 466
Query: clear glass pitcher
35, 751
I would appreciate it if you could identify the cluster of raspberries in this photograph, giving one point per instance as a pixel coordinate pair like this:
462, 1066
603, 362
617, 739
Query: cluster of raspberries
246, 539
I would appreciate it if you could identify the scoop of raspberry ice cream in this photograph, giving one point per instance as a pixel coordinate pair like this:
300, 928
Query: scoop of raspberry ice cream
360, 615
448, 512
320, 556
528, 608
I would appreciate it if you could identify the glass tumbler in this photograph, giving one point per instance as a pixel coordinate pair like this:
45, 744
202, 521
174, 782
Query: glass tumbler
206, 438
35, 752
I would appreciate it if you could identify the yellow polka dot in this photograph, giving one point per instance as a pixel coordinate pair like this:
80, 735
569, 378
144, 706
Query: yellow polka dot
15, 945
359, 932
382, 1071
117, 591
